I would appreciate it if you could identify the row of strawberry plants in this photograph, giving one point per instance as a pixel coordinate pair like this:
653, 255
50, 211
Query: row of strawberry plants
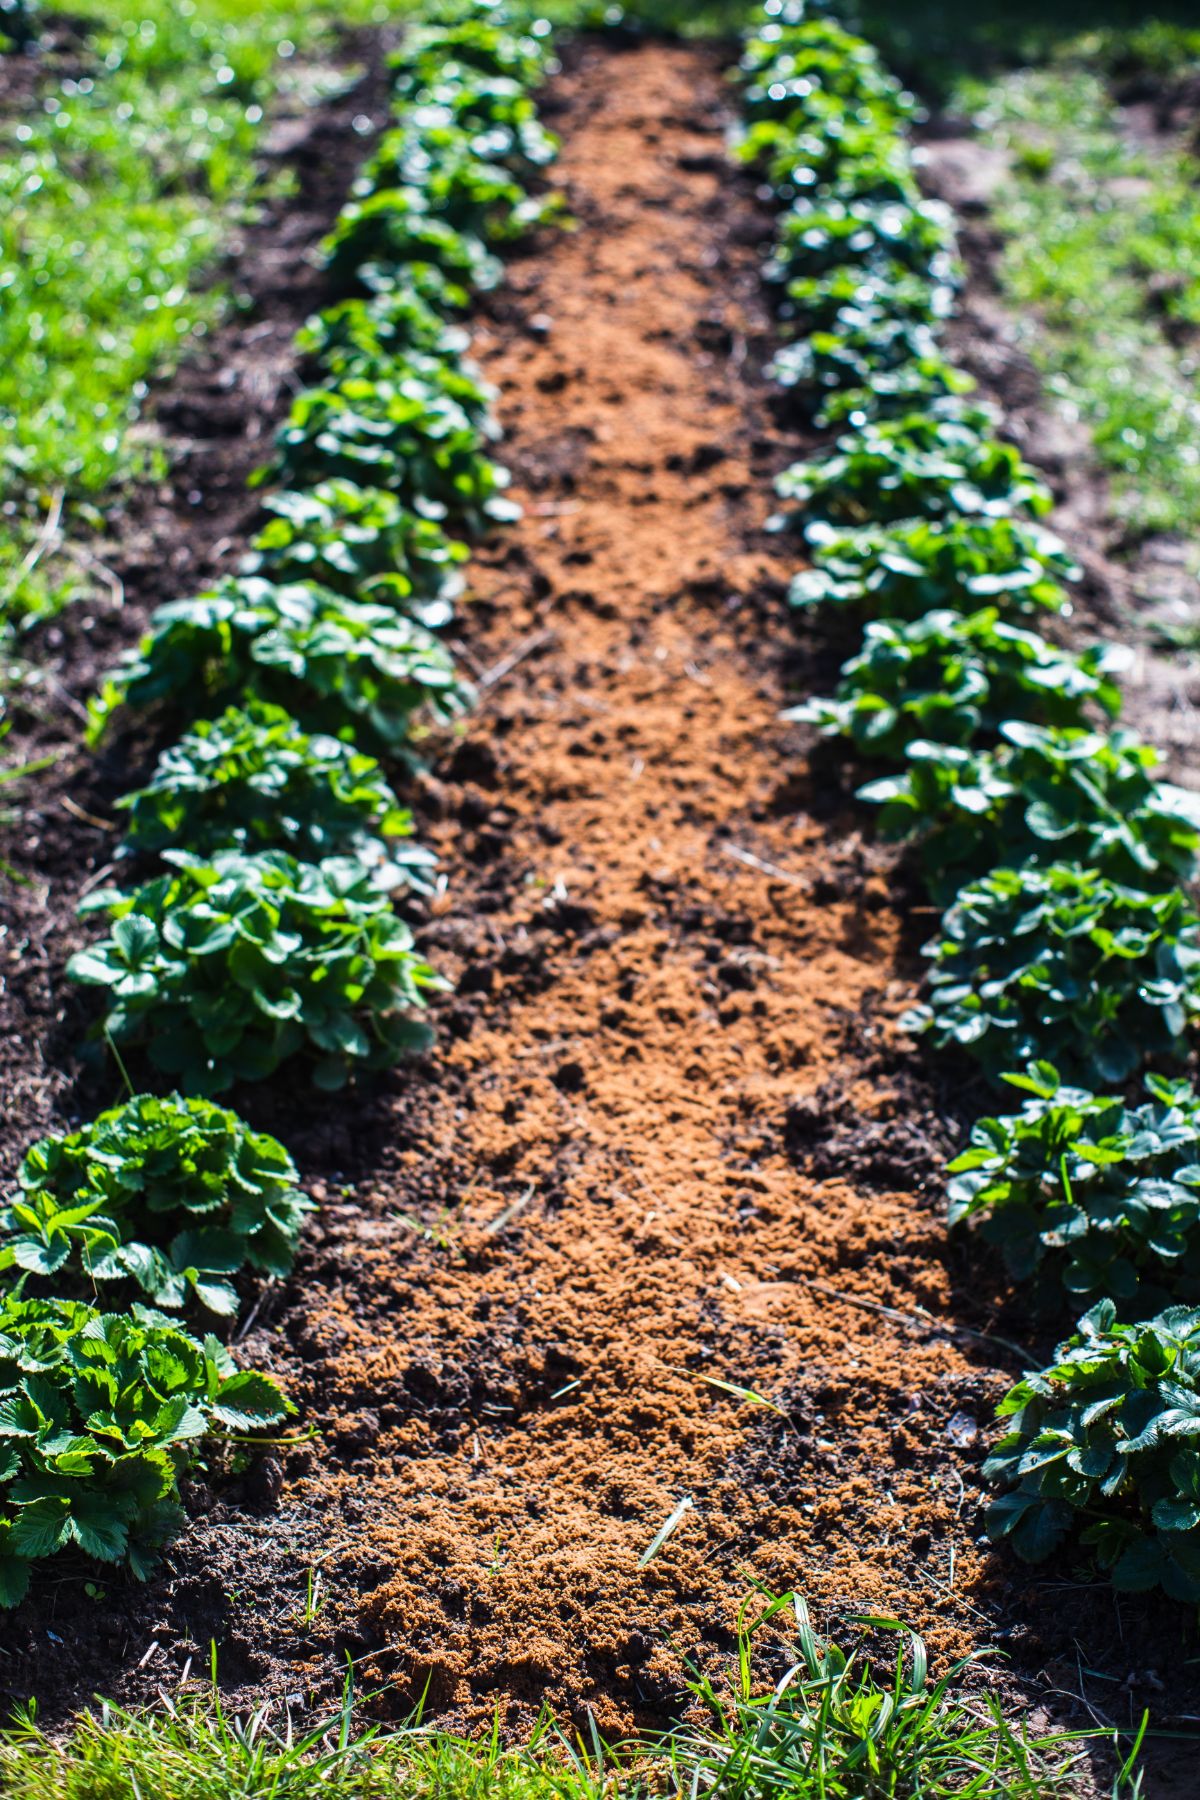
1069, 950
268, 933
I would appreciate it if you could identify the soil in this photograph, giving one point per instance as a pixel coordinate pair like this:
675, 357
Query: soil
671, 1136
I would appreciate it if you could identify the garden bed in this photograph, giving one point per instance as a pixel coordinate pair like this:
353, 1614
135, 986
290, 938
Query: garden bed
670, 1137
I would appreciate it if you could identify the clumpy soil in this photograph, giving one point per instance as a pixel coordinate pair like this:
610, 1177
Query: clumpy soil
671, 1136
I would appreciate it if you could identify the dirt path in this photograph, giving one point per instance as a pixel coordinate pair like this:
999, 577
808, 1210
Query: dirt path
601, 1145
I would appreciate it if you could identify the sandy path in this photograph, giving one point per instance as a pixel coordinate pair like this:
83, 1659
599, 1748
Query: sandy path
601, 1147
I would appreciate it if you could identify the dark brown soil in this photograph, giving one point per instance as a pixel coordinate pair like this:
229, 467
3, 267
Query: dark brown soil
670, 1136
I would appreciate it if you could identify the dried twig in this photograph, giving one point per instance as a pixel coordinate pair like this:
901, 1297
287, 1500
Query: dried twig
766, 868
510, 1212
77, 812
45, 537
491, 677
252, 1316
87, 559
920, 1320
93, 881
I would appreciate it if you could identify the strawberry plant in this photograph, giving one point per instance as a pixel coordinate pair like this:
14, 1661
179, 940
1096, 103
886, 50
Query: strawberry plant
495, 115
416, 436
810, 157
479, 46
338, 665
423, 282
1058, 963
865, 344
482, 198
904, 570
224, 969
1104, 1439
174, 1196
1104, 1195
253, 779
359, 336
791, 70
391, 230
872, 183
834, 230
951, 678
922, 466
1043, 794
835, 300
888, 393
364, 543
100, 1414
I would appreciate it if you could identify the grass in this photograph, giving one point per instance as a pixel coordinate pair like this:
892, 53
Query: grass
833, 1728
117, 188
196, 1751
798, 1720
1102, 264
1102, 235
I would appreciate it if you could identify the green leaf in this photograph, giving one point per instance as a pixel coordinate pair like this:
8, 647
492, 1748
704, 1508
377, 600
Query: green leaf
15, 1572
1176, 1515
218, 1296
40, 1528
93, 968
1140, 1567
330, 1074
41, 1259
135, 938
247, 1400
98, 1529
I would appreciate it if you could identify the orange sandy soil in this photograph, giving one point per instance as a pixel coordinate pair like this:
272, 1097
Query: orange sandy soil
661, 957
